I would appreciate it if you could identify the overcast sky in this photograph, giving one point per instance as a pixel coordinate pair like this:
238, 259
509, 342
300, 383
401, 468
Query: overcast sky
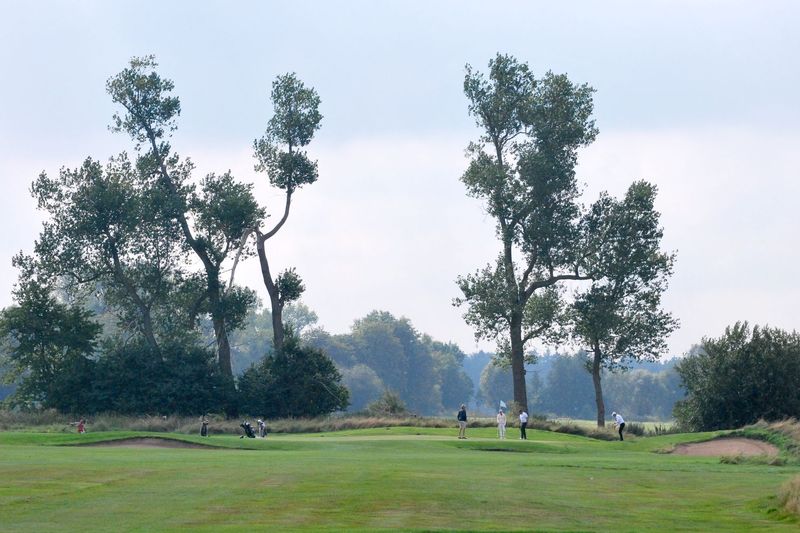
699, 97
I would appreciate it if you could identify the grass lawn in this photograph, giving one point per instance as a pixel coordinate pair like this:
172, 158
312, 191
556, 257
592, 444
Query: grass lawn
398, 478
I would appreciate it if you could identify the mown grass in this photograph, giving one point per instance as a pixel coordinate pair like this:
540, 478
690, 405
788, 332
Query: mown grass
403, 478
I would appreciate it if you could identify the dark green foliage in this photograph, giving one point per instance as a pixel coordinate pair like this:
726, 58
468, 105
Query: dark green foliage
54, 354
278, 153
293, 125
106, 237
290, 286
297, 381
744, 375
523, 168
210, 221
620, 313
131, 380
223, 209
47, 343
145, 97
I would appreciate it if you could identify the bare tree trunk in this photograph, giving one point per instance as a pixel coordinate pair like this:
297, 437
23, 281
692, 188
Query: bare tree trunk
147, 329
598, 389
277, 322
221, 335
518, 364
274, 298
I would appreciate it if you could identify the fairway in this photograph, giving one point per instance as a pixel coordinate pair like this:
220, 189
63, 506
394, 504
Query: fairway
398, 478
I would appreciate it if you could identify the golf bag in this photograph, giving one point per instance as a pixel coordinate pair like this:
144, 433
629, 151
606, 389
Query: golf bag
248, 430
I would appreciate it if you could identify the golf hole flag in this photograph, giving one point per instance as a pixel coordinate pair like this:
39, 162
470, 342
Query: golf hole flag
503, 404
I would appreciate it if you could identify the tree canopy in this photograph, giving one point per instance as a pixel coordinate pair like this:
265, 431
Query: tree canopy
618, 318
211, 220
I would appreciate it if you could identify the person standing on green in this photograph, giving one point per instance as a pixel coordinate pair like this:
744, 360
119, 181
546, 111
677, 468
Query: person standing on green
501, 424
462, 422
523, 424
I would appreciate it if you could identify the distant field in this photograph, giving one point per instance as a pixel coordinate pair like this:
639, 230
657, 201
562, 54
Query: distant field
398, 478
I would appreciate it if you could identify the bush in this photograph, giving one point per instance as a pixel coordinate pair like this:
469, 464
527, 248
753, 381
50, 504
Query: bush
297, 381
134, 379
739, 378
635, 428
389, 404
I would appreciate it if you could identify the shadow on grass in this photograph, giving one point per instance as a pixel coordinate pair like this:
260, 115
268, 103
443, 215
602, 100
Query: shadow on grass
515, 447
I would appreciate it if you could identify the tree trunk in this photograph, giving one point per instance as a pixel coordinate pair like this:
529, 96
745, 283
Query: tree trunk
221, 335
518, 364
229, 400
274, 297
147, 329
598, 389
277, 322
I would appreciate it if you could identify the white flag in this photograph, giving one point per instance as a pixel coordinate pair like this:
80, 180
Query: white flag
503, 404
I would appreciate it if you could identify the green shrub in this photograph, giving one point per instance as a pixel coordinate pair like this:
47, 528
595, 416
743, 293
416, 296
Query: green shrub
297, 381
133, 379
389, 404
634, 428
743, 376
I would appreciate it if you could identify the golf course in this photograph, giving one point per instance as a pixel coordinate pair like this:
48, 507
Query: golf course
399, 478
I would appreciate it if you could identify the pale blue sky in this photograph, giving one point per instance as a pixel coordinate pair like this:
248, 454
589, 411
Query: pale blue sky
697, 96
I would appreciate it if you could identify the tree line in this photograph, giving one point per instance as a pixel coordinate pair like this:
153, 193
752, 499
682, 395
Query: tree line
560, 386
140, 237
152, 244
129, 301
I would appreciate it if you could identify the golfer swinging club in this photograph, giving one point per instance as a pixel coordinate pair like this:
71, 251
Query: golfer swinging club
619, 422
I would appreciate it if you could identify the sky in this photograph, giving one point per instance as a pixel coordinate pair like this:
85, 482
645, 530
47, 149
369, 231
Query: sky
698, 97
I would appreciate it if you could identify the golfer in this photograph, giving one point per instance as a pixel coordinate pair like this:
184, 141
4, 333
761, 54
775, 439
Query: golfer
501, 424
462, 422
523, 423
619, 422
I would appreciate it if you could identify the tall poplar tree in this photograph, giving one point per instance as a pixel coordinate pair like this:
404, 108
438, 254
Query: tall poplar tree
280, 154
210, 221
619, 317
523, 168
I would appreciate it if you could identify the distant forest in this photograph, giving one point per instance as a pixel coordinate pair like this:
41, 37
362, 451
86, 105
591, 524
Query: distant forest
432, 377
382, 352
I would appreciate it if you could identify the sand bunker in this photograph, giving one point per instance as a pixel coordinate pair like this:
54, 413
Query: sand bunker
150, 442
734, 446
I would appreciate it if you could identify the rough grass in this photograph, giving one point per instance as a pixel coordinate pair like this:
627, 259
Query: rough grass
789, 496
53, 421
785, 434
